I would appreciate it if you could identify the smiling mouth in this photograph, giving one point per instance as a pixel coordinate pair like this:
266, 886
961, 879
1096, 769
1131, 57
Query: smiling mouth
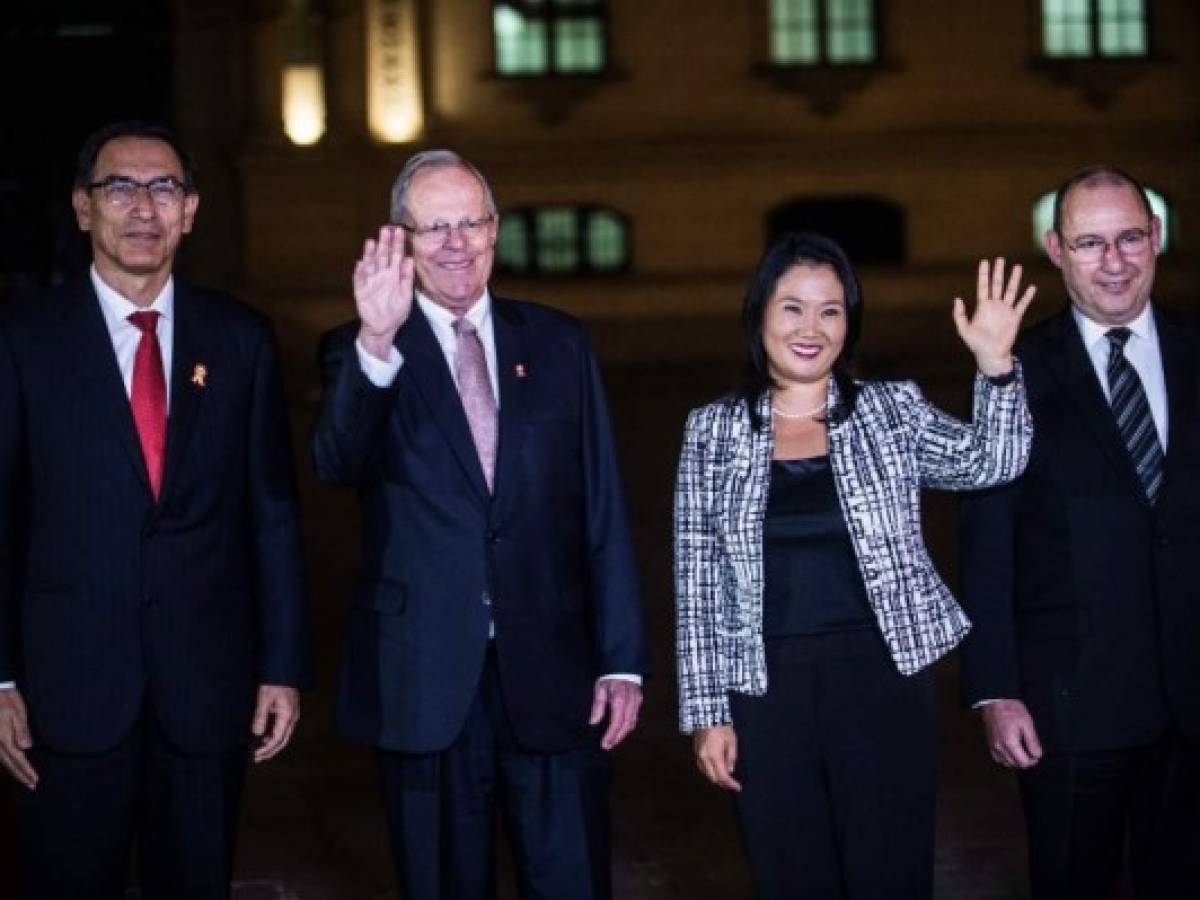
806, 351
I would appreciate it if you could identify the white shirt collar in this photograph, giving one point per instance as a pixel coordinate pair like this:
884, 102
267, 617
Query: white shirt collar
117, 309
442, 320
1093, 332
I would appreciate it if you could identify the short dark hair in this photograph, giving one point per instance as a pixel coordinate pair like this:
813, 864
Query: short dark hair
1097, 176
797, 248
85, 165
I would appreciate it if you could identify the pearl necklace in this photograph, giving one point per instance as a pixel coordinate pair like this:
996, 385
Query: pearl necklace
806, 414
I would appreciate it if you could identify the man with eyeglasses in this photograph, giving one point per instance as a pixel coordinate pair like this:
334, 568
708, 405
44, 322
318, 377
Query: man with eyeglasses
153, 626
1081, 577
496, 643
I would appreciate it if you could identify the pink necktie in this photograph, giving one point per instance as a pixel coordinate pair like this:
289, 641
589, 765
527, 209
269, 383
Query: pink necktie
148, 396
475, 389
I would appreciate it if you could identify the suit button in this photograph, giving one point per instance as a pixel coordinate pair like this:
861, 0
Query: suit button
486, 598
493, 537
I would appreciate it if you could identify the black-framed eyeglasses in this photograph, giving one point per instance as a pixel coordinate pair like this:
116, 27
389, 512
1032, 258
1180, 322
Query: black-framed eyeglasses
122, 191
1092, 248
439, 232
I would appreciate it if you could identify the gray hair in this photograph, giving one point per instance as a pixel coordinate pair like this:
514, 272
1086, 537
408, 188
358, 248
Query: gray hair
433, 159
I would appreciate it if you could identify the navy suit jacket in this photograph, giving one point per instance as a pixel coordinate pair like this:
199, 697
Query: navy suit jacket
108, 598
1085, 598
548, 557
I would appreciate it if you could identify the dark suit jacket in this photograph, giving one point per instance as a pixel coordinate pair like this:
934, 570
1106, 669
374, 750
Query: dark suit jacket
1085, 599
110, 598
548, 557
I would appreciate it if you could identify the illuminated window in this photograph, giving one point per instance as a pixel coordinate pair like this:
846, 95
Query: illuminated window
547, 37
562, 240
1043, 217
1072, 29
823, 32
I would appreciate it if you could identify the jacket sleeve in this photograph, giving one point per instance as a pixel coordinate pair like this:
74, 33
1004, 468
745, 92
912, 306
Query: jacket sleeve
987, 539
282, 601
11, 450
618, 622
347, 440
703, 700
992, 449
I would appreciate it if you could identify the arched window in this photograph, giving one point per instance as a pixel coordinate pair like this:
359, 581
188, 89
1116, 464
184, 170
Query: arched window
562, 240
871, 230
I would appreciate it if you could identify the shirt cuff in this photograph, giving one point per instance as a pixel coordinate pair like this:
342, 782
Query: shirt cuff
380, 373
980, 704
622, 676
8, 685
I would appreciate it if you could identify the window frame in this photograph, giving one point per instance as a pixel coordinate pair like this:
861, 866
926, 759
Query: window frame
550, 12
1095, 26
584, 269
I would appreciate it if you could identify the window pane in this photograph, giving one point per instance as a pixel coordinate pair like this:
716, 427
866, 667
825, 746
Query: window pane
794, 32
1067, 27
1122, 28
850, 30
512, 243
557, 240
606, 241
579, 45
520, 42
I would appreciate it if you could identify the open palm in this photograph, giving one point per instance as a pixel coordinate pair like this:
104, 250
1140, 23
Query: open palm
383, 285
991, 330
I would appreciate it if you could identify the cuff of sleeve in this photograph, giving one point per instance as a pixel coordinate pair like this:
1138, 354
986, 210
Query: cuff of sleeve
1003, 380
622, 676
8, 685
380, 373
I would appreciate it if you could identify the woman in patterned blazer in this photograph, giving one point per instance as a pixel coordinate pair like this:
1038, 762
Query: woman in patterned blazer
808, 608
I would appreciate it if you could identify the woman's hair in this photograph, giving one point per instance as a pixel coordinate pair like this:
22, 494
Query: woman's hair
797, 248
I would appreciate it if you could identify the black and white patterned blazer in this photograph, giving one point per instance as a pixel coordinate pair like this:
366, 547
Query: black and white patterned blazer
893, 444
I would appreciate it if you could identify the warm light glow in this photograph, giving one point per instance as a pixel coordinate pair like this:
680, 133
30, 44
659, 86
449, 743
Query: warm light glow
303, 103
394, 112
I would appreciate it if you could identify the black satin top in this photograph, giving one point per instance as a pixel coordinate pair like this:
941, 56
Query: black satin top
812, 584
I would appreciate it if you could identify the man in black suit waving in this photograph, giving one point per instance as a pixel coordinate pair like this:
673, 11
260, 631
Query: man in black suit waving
497, 623
1080, 576
152, 619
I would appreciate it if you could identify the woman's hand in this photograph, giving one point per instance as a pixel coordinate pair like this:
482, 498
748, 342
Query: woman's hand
716, 755
383, 290
990, 333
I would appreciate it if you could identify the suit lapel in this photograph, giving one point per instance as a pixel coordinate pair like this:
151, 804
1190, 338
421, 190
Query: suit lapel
95, 362
1069, 361
425, 367
512, 362
192, 344
1179, 373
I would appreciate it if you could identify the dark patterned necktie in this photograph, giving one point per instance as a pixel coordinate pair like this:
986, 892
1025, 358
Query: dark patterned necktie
1132, 411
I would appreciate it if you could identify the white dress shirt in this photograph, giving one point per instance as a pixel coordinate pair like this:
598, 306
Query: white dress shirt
1144, 355
382, 373
125, 337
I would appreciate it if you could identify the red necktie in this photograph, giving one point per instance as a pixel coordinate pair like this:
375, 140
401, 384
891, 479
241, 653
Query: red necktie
148, 397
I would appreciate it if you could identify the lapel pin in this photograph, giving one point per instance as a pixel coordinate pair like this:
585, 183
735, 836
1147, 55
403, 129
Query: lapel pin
520, 370
200, 375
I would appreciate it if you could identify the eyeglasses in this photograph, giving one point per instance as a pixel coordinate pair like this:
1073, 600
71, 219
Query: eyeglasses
1091, 248
439, 232
121, 191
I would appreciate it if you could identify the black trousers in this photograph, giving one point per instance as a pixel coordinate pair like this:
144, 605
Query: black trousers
442, 812
78, 828
838, 765
1088, 814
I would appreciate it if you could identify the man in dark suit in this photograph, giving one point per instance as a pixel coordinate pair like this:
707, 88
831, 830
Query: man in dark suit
1081, 577
152, 621
497, 622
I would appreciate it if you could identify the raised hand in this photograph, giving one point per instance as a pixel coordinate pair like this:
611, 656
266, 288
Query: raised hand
383, 290
990, 333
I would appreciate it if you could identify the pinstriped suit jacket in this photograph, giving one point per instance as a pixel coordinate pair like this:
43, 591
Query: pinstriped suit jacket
893, 444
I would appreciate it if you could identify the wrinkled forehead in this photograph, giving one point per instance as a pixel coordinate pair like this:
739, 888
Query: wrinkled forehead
138, 156
449, 193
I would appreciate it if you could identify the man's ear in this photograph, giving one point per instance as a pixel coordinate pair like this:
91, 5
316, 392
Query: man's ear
82, 204
191, 202
1054, 246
